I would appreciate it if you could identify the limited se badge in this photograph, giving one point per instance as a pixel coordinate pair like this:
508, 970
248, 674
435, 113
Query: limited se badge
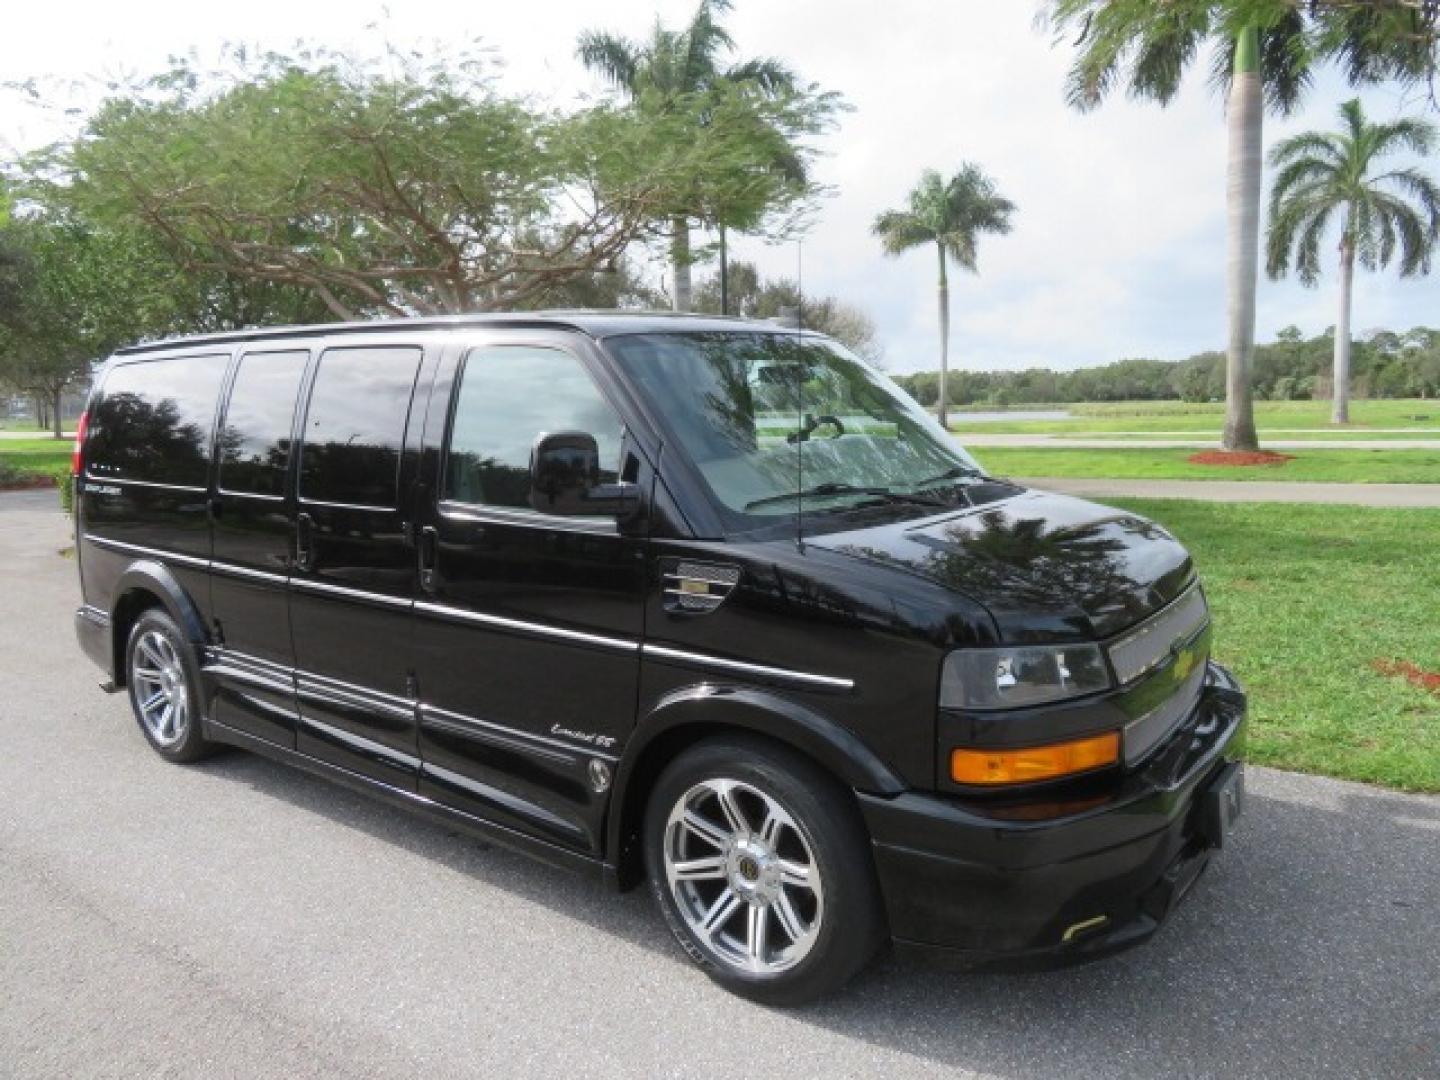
590, 738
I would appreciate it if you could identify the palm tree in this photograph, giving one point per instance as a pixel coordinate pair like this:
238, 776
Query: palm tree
1263, 51
951, 214
1322, 173
1148, 46
672, 64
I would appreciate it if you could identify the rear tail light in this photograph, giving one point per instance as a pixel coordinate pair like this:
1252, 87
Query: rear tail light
77, 456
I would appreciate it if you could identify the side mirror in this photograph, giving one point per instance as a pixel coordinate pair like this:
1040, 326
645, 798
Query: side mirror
565, 479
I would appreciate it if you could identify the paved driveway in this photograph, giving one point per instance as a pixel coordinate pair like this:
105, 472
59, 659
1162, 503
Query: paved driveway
242, 919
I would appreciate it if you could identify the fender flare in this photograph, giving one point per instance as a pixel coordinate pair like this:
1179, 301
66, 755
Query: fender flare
150, 576
697, 710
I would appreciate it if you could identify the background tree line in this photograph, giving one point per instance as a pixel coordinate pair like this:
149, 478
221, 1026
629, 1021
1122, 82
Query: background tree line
1385, 363
316, 185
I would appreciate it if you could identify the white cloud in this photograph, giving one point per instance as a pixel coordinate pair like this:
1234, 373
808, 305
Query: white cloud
1118, 244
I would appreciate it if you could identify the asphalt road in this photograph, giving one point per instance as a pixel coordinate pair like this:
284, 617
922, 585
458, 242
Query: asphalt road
239, 918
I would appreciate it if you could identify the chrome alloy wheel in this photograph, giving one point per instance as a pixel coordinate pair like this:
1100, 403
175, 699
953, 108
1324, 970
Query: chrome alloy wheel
161, 695
743, 876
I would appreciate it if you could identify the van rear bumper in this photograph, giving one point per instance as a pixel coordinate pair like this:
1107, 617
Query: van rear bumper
981, 889
92, 628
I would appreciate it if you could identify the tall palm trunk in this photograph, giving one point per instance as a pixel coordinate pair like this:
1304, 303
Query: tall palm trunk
680, 264
1246, 112
1340, 414
944, 342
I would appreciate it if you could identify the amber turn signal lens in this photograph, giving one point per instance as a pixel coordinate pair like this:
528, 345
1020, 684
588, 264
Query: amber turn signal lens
1035, 762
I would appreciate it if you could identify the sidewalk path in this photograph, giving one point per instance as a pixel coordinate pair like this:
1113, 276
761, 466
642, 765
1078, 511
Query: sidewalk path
973, 440
1409, 496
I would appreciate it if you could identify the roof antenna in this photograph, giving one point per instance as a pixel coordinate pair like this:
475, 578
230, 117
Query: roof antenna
799, 394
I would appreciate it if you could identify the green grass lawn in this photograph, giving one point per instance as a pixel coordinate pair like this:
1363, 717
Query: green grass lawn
1340, 466
25, 457
1095, 417
1306, 599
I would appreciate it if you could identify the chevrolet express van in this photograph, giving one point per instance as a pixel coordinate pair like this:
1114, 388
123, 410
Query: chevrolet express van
701, 602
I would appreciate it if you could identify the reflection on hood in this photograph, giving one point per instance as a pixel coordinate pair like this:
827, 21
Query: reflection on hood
1045, 566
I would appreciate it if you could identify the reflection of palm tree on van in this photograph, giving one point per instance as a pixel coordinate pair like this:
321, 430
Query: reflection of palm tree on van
1029, 560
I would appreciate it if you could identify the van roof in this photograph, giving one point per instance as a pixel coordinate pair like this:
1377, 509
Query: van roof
594, 323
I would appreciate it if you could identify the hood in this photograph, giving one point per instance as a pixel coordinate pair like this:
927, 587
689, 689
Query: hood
1047, 567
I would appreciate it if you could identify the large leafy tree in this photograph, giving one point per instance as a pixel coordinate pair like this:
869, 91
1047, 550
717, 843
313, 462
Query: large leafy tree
400, 187
951, 214
70, 294
760, 102
1263, 52
1339, 177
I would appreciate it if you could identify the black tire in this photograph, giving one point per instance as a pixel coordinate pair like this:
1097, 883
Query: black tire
186, 741
852, 926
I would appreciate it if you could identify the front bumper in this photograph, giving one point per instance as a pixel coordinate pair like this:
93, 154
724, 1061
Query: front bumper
1095, 877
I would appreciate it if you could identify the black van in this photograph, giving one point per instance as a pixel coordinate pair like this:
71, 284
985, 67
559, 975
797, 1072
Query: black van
703, 601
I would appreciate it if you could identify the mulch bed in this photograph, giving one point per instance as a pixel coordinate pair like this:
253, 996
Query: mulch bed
28, 483
1411, 673
1239, 457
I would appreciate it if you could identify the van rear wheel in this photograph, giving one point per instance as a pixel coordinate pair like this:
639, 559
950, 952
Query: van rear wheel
164, 684
762, 869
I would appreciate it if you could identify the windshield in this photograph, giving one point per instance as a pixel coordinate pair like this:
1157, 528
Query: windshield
776, 422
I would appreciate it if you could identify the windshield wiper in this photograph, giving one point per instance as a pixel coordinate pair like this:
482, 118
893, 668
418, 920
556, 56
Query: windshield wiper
820, 491
955, 472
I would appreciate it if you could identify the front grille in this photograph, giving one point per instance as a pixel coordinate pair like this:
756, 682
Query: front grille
1151, 643
1146, 733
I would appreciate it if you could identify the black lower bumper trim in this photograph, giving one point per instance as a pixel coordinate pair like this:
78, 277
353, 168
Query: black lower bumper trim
989, 892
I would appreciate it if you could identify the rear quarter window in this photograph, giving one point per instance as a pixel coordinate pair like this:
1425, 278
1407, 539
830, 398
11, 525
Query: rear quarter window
154, 419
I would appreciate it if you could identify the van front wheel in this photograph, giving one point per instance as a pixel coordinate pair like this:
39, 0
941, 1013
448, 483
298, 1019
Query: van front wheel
762, 868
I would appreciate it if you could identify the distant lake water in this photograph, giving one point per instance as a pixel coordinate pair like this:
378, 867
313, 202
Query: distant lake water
1001, 416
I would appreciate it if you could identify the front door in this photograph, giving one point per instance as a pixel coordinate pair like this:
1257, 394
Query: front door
528, 626
351, 589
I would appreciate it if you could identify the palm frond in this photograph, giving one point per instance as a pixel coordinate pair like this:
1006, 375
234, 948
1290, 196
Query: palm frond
1298, 174
705, 40
771, 75
1408, 133
1416, 242
615, 58
1317, 145
1307, 250
900, 231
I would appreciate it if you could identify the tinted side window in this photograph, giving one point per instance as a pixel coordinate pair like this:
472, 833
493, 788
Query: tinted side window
255, 438
509, 395
355, 425
154, 419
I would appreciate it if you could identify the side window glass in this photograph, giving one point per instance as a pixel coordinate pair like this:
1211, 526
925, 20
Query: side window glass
509, 395
154, 420
254, 445
355, 425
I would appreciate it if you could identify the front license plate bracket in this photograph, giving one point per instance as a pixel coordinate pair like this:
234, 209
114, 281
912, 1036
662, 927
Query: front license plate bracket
1222, 803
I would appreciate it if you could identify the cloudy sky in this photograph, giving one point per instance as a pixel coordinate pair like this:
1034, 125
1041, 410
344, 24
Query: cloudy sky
1119, 240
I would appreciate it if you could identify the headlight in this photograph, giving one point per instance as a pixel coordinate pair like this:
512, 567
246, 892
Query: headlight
1024, 675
